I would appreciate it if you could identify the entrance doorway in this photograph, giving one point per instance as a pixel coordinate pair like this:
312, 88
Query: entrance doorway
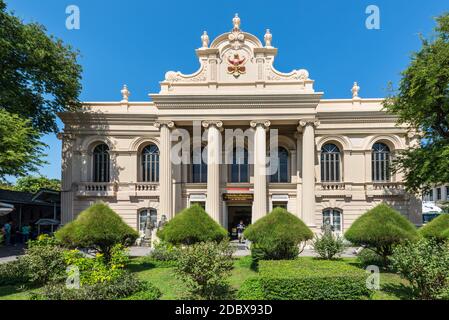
237, 214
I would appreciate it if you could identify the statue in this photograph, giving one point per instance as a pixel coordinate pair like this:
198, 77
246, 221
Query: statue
355, 91
125, 93
268, 37
205, 40
236, 22
163, 221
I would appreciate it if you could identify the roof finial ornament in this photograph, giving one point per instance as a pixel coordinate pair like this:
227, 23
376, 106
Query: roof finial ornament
236, 22
268, 37
355, 91
205, 40
125, 93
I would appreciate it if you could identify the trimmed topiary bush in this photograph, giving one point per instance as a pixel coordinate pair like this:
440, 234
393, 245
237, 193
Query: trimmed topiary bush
190, 226
306, 279
380, 229
277, 235
437, 229
98, 228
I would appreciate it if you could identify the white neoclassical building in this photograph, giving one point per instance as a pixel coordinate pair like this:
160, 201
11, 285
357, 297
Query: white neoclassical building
332, 155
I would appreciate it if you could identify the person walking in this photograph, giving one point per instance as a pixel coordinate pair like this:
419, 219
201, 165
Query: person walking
240, 228
25, 233
7, 231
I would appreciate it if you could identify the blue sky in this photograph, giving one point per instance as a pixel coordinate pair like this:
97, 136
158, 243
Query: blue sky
136, 42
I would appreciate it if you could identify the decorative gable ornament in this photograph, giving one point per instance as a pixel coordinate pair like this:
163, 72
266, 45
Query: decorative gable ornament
236, 65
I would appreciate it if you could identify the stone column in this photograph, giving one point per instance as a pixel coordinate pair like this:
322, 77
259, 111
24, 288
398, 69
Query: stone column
307, 126
260, 169
67, 177
213, 168
165, 169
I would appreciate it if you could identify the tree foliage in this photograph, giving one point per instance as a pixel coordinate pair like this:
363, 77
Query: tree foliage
422, 102
35, 183
437, 229
380, 229
190, 226
277, 235
21, 150
39, 73
98, 227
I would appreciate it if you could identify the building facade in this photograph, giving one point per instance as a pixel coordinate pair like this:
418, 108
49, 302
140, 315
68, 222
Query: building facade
331, 156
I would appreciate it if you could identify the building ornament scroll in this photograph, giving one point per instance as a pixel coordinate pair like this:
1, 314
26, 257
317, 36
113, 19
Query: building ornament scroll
307, 122
265, 123
217, 123
168, 123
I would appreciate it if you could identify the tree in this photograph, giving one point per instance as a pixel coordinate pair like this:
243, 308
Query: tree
381, 229
437, 229
190, 226
277, 235
34, 183
422, 102
99, 228
20, 148
39, 74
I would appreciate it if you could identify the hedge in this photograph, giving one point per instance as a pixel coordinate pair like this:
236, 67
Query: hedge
438, 228
190, 226
307, 279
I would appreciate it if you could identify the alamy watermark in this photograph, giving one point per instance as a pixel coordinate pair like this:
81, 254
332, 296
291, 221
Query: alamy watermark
73, 22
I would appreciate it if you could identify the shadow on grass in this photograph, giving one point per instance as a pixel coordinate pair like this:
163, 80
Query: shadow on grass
399, 290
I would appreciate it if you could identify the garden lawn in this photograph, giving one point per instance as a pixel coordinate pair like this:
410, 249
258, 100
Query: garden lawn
161, 275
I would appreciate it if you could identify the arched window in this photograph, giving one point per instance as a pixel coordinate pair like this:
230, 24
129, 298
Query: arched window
150, 163
146, 216
199, 167
101, 164
380, 162
330, 163
239, 166
332, 218
281, 175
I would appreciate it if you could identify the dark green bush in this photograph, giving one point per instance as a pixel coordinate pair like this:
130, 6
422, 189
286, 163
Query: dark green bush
368, 257
190, 226
437, 229
277, 235
99, 228
311, 279
124, 287
204, 268
251, 289
380, 229
14, 273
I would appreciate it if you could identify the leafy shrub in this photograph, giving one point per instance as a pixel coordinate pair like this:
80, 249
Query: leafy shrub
43, 262
328, 245
163, 251
99, 228
425, 264
437, 229
277, 235
251, 289
96, 270
125, 286
367, 257
380, 229
311, 279
13, 273
204, 267
190, 226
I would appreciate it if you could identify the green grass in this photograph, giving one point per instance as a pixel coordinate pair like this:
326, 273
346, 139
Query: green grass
161, 275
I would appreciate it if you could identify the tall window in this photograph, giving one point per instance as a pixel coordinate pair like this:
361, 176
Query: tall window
281, 175
150, 163
380, 162
332, 218
330, 163
239, 166
147, 216
101, 163
438, 194
199, 167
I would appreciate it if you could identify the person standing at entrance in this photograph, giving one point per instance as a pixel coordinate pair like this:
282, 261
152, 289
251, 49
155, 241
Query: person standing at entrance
240, 229
7, 231
25, 233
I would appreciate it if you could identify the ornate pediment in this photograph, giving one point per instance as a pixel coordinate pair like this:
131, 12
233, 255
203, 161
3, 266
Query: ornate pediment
237, 60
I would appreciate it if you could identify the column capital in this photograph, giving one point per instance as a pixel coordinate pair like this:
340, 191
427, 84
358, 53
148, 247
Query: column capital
264, 123
307, 122
207, 123
170, 124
